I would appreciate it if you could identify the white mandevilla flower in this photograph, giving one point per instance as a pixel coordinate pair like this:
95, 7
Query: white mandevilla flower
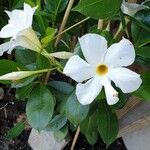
19, 29
131, 8
103, 66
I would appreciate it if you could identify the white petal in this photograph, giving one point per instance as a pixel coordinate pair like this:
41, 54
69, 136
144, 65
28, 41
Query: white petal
111, 93
18, 20
93, 47
86, 93
5, 47
78, 69
29, 12
127, 80
28, 39
131, 8
7, 31
120, 54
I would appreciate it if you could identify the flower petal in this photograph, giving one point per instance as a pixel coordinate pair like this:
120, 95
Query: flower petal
6, 47
127, 80
7, 31
120, 54
78, 69
87, 92
93, 47
19, 20
29, 12
111, 93
131, 8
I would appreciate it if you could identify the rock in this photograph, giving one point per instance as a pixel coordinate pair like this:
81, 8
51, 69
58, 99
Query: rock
44, 141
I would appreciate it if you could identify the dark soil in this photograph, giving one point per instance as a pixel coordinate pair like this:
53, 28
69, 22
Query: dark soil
14, 109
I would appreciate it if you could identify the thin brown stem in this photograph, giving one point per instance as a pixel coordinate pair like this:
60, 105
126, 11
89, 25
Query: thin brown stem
47, 77
75, 138
64, 21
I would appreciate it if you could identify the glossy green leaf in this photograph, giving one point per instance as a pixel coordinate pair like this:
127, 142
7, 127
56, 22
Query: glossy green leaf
42, 62
40, 107
24, 92
61, 86
61, 134
24, 56
89, 128
107, 123
50, 32
140, 35
143, 51
74, 111
7, 66
122, 100
144, 90
23, 82
56, 123
98, 9
16, 130
55, 6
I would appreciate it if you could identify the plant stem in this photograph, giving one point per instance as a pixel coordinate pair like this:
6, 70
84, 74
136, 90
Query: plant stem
100, 24
120, 29
72, 27
47, 77
108, 26
75, 138
64, 21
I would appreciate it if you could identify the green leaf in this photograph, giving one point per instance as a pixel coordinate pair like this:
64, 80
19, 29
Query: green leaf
23, 82
75, 112
101, 95
24, 56
42, 62
24, 92
89, 128
55, 6
98, 9
61, 86
107, 123
50, 32
144, 90
139, 33
122, 100
16, 130
7, 66
60, 89
56, 123
40, 107
61, 134
143, 51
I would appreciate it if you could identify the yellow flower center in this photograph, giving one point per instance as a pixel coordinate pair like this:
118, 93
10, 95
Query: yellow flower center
101, 70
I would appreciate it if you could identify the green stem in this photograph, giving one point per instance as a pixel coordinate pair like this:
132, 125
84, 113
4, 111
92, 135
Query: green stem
71, 27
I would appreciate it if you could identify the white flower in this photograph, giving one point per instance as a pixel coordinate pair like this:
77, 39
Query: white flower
18, 75
19, 29
131, 8
103, 66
